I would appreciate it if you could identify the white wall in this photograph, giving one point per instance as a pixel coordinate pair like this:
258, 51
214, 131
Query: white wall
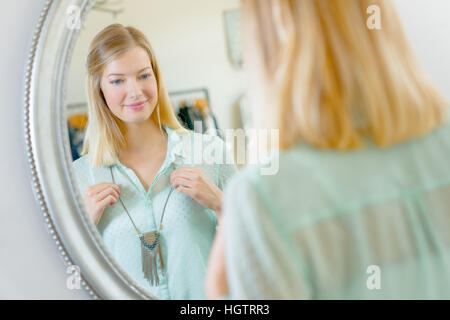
427, 25
30, 267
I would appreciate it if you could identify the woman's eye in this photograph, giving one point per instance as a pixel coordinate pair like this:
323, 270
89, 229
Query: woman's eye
116, 81
145, 76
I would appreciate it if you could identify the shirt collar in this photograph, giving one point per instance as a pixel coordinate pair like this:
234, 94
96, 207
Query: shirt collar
176, 151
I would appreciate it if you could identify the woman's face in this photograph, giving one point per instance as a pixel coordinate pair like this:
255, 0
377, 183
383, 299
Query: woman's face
129, 86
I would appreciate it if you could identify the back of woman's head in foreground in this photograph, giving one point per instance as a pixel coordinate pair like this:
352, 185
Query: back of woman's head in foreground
105, 133
325, 78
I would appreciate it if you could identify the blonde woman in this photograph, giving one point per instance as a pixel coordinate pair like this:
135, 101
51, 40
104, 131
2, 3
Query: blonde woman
137, 152
360, 205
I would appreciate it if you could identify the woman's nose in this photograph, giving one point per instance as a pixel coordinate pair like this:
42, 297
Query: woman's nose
134, 88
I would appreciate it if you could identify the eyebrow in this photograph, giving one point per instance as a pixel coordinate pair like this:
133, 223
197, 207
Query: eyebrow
121, 74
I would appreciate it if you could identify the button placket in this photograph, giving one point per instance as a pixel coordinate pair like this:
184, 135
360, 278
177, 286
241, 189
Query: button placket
147, 202
149, 195
131, 174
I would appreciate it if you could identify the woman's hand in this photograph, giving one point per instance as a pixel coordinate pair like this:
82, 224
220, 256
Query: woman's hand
98, 196
193, 182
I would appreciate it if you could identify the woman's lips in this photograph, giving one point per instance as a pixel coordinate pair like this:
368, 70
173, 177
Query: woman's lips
136, 106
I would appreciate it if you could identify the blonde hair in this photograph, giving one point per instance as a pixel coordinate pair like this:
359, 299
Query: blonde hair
104, 134
331, 81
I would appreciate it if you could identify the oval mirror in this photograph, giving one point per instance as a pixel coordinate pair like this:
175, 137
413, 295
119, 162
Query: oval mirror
197, 48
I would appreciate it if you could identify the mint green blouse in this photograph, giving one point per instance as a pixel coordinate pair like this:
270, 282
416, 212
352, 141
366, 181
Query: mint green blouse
366, 224
188, 228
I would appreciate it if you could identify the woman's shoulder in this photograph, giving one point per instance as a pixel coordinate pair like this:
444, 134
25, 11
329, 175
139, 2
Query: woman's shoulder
206, 144
283, 182
275, 167
81, 163
82, 172
207, 138
188, 137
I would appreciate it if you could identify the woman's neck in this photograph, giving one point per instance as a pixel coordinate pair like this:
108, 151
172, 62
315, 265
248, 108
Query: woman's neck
143, 139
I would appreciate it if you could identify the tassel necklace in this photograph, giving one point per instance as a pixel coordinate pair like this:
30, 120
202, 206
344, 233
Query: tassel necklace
150, 245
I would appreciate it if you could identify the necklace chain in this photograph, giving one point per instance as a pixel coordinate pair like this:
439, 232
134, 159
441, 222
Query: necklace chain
162, 215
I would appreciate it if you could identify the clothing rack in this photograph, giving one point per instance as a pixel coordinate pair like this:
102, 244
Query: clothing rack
195, 92
193, 105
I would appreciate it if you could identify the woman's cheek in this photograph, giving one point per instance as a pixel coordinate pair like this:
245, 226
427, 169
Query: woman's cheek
152, 88
117, 99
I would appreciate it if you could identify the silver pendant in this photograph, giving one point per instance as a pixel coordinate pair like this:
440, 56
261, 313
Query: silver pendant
150, 250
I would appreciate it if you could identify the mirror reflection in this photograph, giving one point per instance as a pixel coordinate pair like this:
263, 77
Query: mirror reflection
361, 191
152, 86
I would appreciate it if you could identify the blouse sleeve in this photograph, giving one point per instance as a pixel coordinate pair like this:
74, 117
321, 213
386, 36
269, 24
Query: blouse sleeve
82, 176
259, 264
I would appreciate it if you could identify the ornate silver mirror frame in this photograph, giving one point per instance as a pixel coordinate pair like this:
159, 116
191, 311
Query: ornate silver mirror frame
48, 150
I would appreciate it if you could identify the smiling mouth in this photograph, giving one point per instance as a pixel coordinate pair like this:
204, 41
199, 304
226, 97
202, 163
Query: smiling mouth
136, 105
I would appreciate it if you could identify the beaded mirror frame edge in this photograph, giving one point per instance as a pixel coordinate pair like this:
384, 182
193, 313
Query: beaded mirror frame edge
49, 157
